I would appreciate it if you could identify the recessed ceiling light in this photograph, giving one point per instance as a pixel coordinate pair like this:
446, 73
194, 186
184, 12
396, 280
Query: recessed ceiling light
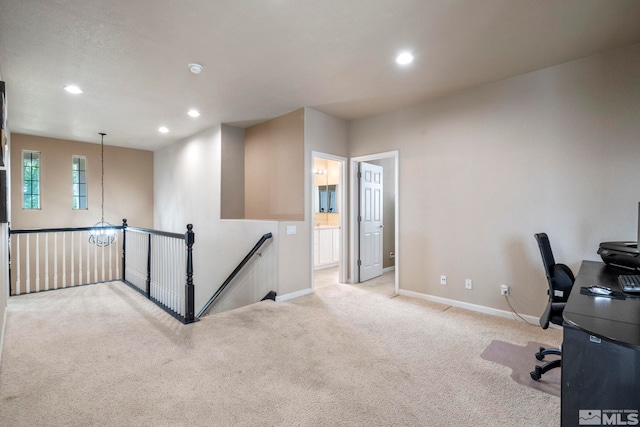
194, 113
163, 129
404, 58
195, 68
73, 89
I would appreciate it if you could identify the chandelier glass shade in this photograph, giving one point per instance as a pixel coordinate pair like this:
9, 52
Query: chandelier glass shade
103, 236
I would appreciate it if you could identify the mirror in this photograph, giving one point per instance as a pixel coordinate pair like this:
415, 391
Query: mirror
326, 177
326, 199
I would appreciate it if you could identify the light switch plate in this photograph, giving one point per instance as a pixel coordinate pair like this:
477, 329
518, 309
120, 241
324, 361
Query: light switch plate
292, 229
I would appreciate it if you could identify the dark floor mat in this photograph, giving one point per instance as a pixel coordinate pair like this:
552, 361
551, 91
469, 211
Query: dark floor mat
522, 360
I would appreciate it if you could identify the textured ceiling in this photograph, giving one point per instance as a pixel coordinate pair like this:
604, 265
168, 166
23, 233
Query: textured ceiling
264, 58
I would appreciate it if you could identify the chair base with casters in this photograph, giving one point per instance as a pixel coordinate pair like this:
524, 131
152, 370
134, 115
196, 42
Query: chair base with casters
560, 280
536, 374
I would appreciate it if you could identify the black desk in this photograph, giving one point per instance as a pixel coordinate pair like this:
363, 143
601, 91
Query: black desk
600, 352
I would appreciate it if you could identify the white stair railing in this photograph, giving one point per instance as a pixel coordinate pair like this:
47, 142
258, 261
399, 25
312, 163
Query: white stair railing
58, 253
156, 263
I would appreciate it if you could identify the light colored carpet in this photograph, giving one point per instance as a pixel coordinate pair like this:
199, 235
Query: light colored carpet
102, 355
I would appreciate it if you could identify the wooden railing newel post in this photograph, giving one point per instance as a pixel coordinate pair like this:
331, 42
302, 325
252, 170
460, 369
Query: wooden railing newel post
149, 266
189, 238
124, 248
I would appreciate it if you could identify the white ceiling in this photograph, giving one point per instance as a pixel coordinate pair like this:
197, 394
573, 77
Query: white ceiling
264, 58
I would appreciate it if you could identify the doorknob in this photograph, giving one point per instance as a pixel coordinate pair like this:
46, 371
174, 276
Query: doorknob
381, 225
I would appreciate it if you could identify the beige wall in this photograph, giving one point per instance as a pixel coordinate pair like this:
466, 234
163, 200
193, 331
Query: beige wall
232, 170
128, 182
555, 150
274, 169
67, 259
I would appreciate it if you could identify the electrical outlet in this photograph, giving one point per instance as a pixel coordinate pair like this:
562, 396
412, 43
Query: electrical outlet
443, 280
504, 290
468, 284
392, 255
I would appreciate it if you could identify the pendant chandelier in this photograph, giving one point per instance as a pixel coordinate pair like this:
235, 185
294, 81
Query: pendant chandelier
103, 233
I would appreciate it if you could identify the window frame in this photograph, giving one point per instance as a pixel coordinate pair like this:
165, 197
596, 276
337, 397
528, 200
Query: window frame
73, 185
39, 181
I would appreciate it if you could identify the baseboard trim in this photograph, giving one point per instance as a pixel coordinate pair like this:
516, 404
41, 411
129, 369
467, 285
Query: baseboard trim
468, 306
4, 325
292, 295
323, 266
388, 269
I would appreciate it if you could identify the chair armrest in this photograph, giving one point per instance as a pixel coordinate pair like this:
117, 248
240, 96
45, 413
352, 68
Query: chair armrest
546, 317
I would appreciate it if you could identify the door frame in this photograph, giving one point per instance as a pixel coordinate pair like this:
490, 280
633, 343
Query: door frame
342, 199
354, 229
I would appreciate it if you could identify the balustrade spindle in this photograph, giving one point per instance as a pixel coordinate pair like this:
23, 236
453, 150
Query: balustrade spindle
154, 262
80, 240
95, 264
102, 261
118, 263
156, 267
55, 260
37, 248
178, 278
170, 284
166, 285
110, 267
161, 254
88, 270
173, 285
17, 291
46, 261
73, 266
64, 260
27, 279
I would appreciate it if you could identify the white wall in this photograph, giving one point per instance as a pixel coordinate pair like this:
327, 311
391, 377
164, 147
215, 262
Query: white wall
187, 190
555, 150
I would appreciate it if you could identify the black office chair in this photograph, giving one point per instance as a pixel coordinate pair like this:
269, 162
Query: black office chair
560, 278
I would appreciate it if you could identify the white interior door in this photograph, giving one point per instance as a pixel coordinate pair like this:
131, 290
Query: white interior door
370, 262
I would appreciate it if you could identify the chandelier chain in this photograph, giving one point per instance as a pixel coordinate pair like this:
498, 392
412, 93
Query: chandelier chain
102, 175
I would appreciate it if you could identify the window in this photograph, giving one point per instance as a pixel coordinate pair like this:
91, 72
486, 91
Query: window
79, 180
30, 180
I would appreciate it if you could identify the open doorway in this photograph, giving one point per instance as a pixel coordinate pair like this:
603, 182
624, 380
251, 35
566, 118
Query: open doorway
329, 209
374, 238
